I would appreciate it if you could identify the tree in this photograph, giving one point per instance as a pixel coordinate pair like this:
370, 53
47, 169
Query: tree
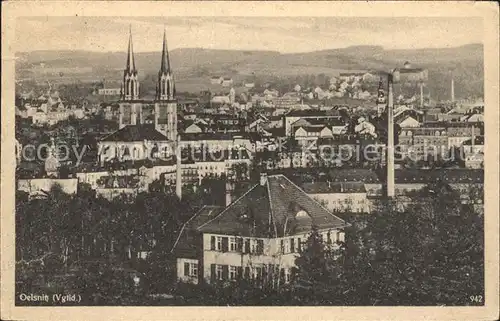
317, 271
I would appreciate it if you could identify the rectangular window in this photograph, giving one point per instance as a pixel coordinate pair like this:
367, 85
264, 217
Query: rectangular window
282, 246
232, 272
186, 269
212, 243
239, 245
218, 245
254, 246
292, 245
193, 269
247, 246
219, 270
299, 245
260, 246
232, 244
329, 237
247, 272
225, 244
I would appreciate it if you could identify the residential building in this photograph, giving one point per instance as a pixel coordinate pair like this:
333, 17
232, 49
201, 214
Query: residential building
256, 237
343, 197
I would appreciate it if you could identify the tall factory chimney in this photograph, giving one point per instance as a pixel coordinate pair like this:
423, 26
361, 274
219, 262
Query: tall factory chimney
178, 174
473, 139
452, 89
390, 137
421, 95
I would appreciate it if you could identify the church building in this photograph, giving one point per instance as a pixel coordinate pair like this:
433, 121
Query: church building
147, 128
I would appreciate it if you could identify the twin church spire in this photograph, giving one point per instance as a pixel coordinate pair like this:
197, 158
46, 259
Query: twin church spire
165, 88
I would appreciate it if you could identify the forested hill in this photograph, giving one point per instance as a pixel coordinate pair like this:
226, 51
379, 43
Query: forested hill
464, 62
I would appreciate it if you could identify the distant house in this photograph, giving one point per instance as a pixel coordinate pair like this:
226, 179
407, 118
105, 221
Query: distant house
227, 82
340, 196
193, 128
220, 100
39, 187
216, 80
351, 76
109, 91
410, 74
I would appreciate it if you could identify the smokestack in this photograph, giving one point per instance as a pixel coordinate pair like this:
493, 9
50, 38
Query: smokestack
390, 138
473, 139
421, 95
228, 193
178, 176
452, 89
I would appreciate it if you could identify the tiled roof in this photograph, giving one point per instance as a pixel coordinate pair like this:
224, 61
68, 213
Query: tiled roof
267, 210
313, 129
135, 133
306, 113
186, 244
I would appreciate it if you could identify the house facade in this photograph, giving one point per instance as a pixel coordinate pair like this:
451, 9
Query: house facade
256, 237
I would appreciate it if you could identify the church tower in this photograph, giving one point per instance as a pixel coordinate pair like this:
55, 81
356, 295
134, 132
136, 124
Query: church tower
166, 104
381, 99
130, 109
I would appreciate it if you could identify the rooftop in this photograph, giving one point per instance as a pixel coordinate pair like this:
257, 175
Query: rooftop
186, 245
270, 210
135, 133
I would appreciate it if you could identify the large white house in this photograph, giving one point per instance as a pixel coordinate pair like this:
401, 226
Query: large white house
258, 236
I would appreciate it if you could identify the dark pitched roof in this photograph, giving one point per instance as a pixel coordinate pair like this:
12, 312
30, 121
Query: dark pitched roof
267, 210
135, 133
478, 140
410, 70
313, 129
186, 244
276, 131
306, 113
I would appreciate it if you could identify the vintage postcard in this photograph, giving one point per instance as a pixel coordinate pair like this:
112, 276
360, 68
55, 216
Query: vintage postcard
250, 160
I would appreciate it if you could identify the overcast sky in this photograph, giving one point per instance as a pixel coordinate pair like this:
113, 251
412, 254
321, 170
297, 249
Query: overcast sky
247, 33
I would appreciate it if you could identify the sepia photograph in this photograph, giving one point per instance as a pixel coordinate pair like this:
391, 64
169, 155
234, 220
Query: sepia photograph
250, 160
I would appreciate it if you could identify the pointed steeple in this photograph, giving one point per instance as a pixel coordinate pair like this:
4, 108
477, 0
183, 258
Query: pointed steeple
130, 54
165, 59
166, 85
130, 79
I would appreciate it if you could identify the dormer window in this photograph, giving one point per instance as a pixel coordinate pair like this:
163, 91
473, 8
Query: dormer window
301, 213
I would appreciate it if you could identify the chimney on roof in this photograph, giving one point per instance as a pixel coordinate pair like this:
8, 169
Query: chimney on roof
263, 179
229, 190
178, 175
